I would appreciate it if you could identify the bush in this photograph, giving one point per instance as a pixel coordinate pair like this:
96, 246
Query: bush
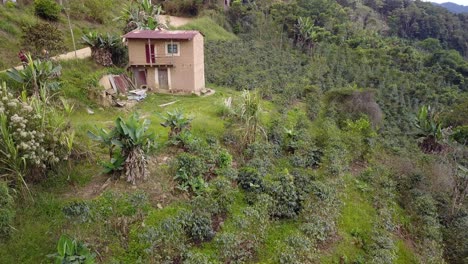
250, 180
284, 194
166, 242
299, 249
198, 226
190, 170
47, 9
7, 212
196, 258
234, 249
78, 212
220, 190
42, 36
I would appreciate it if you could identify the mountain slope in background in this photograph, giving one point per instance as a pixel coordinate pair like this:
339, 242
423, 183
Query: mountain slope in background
454, 8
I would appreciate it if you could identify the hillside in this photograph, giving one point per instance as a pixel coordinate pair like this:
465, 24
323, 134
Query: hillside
14, 19
454, 8
336, 134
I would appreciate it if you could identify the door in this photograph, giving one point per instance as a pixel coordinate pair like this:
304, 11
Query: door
163, 79
140, 77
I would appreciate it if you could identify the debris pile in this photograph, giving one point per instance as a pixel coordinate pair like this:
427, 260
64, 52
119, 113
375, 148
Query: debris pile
120, 89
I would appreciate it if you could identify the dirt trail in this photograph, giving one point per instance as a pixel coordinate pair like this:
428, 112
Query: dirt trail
86, 52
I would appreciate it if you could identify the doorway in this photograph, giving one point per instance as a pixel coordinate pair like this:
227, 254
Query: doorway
163, 79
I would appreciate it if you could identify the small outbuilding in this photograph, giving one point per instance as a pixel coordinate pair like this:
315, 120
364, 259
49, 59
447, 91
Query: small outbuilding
167, 60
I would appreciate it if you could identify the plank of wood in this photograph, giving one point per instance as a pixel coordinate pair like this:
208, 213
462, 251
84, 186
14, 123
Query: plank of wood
166, 104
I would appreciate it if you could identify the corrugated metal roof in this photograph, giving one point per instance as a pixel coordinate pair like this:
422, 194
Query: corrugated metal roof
161, 34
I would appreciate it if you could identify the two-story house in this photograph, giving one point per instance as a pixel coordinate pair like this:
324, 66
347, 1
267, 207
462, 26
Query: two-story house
167, 60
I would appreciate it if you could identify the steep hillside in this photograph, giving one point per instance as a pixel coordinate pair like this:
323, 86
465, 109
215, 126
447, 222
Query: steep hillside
337, 134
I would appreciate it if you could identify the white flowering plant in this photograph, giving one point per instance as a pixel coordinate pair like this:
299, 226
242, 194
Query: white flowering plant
33, 137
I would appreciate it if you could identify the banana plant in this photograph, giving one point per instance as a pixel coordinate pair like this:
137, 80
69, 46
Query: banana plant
130, 141
177, 122
37, 74
427, 123
71, 251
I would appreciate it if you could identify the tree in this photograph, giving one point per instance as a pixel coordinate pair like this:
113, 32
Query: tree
129, 143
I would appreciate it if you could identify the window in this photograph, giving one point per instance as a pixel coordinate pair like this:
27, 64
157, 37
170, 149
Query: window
173, 49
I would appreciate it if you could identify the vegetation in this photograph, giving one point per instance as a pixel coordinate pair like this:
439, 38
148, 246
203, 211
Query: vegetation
71, 251
140, 15
319, 145
47, 9
42, 40
128, 142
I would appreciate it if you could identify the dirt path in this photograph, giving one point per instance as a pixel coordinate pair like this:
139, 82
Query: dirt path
80, 54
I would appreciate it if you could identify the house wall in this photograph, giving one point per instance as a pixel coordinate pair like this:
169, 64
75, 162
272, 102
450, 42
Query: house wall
199, 63
187, 70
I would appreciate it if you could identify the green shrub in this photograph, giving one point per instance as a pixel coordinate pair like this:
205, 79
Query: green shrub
299, 249
460, 134
250, 180
47, 9
260, 156
224, 159
198, 226
196, 258
190, 170
221, 192
77, 212
234, 249
382, 248
284, 194
7, 212
166, 242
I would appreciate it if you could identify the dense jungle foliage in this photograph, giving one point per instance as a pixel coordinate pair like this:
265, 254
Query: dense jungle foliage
337, 134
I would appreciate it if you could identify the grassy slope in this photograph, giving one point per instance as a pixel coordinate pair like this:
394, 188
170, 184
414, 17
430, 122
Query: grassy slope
210, 29
13, 19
